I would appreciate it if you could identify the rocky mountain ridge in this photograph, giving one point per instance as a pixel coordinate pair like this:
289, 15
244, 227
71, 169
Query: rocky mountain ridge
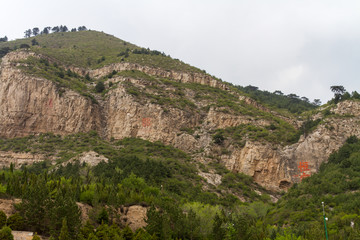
32, 105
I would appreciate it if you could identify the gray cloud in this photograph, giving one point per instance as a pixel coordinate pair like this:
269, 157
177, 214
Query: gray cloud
300, 47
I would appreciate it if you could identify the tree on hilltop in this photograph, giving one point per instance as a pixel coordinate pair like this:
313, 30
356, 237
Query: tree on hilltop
63, 28
338, 92
82, 28
35, 31
46, 30
55, 29
4, 39
28, 33
317, 102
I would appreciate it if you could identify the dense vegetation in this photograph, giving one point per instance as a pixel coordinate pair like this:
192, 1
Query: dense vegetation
138, 172
290, 102
337, 185
64, 79
278, 132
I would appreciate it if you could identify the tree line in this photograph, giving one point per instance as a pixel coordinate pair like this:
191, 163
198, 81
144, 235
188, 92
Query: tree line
291, 102
62, 28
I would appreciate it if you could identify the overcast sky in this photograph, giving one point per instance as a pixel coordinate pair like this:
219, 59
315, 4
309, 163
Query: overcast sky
296, 46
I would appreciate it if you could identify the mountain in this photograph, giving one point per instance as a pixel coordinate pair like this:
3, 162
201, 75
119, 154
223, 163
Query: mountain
97, 120
51, 87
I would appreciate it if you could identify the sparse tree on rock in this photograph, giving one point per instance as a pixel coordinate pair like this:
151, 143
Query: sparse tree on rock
338, 92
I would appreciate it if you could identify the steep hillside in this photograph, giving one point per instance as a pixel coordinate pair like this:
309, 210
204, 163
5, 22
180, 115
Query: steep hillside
78, 82
337, 185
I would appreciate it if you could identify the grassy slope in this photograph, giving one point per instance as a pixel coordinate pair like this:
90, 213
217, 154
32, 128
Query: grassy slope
92, 49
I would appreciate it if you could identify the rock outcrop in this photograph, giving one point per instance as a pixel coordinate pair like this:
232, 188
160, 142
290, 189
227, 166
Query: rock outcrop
30, 105
276, 167
19, 159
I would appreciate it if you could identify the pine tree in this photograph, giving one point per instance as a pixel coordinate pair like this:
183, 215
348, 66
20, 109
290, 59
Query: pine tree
2, 219
127, 233
35, 204
218, 230
87, 229
103, 216
64, 232
102, 232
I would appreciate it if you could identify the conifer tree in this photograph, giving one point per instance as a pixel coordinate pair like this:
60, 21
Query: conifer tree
64, 232
127, 233
2, 219
87, 229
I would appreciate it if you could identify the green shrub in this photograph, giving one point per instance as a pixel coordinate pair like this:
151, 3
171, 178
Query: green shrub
16, 222
5, 234
2, 219
218, 138
100, 87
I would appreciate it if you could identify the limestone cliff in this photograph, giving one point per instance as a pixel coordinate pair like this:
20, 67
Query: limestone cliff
31, 105
278, 167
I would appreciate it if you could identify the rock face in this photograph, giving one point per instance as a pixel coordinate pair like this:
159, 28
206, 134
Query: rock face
183, 77
91, 158
277, 168
134, 217
18, 159
31, 105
